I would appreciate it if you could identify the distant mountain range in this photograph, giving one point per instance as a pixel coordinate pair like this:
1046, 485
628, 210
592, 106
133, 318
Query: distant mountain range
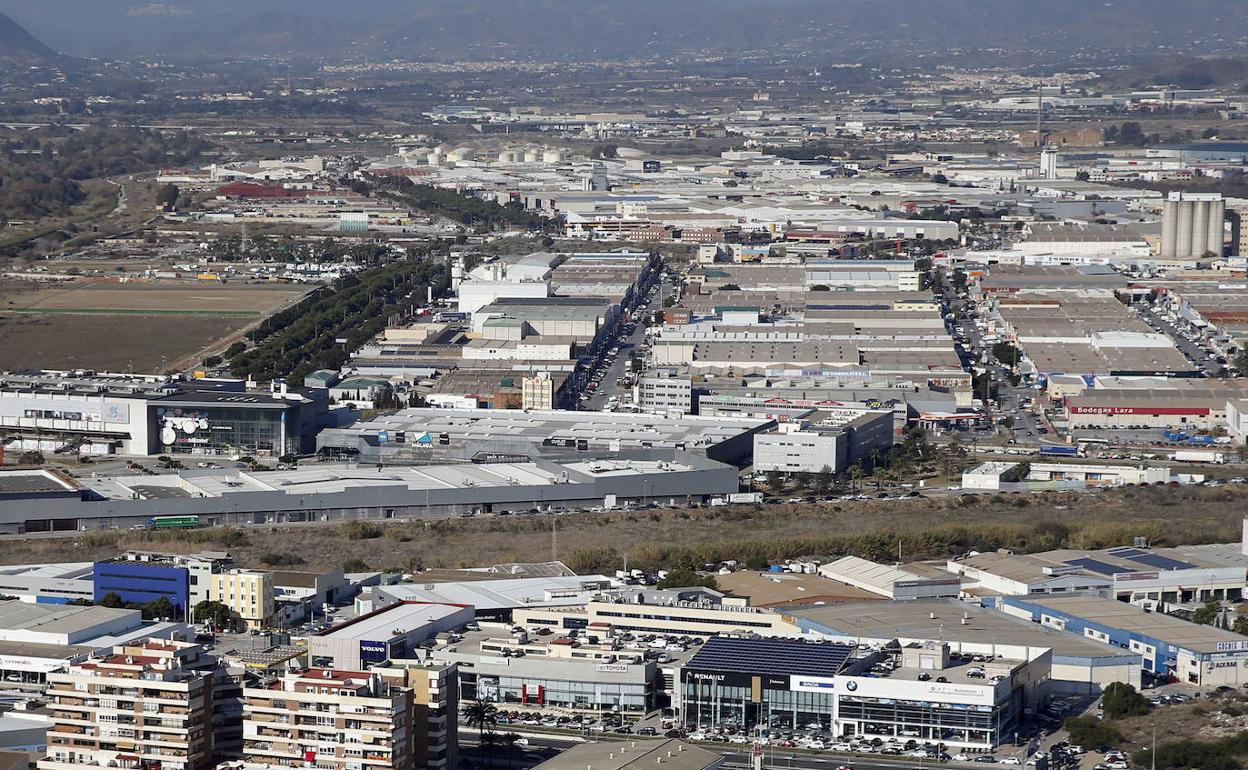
19, 47
655, 29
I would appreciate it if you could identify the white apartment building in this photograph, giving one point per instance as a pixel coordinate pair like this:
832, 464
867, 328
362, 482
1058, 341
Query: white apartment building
328, 719
664, 395
139, 706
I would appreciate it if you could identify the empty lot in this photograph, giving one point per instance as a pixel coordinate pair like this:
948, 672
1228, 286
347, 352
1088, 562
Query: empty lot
195, 299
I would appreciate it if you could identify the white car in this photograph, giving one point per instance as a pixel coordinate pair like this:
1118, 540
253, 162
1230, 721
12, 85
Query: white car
961, 758
1011, 761
841, 747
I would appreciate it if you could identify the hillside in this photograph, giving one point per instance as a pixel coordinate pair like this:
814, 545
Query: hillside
650, 29
17, 46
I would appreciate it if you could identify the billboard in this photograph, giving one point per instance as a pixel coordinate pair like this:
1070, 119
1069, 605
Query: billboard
1115, 410
374, 652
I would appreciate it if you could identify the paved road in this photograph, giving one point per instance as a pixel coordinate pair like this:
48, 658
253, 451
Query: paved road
609, 384
1199, 356
541, 747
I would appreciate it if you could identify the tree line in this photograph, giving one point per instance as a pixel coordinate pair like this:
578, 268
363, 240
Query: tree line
303, 338
467, 210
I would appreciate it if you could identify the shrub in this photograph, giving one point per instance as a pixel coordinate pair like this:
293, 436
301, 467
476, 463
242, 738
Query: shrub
1121, 700
358, 529
280, 559
1090, 731
355, 565
585, 561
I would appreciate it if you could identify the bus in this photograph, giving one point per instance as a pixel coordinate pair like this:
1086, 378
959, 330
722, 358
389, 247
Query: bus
173, 522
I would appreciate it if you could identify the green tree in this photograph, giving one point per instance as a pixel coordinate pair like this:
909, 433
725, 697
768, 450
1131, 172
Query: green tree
355, 565
775, 480
824, 480
1206, 614
482, 715
1122, 700
112, 601
757, 562
1240, 626
167, 196
159, 609
213, 613
1090, 731
1131, 133
687, 578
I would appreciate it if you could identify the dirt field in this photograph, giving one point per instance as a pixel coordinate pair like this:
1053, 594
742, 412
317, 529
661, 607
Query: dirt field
114, 326
103, 341
924, 529
205, 299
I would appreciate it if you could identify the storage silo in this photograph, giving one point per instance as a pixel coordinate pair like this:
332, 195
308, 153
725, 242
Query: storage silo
1200, 227
1169, 227
1217, 226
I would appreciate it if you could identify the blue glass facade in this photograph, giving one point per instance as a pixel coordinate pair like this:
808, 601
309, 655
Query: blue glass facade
141, 583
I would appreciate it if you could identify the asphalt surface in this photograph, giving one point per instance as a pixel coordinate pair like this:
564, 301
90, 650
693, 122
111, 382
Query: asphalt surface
540, 747
1197, 354
609, 384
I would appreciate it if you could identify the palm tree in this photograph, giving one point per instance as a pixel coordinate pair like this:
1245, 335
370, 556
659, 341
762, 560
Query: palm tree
483, 715
509, 742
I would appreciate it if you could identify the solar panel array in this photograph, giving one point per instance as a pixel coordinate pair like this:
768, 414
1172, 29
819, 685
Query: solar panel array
779, 657
1161, 562
1099, 567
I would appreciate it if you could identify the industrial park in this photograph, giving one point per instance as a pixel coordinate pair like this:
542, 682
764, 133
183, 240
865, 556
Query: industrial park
582, 386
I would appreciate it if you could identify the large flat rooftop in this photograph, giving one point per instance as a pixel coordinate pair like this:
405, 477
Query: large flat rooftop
1132, 619
913, 620
17, 616
328, 479
536, 426
382, 623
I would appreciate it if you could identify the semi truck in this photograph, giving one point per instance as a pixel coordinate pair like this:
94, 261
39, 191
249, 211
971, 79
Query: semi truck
1199, 456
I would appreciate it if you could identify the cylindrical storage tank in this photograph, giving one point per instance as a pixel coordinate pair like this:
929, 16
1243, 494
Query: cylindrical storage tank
1169, 228
532, 156
1217, 226
1200, 228
552, 156
504, 156
1183, 233
462, 153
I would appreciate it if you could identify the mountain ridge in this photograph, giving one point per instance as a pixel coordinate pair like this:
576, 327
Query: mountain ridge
17, 45
561, 29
